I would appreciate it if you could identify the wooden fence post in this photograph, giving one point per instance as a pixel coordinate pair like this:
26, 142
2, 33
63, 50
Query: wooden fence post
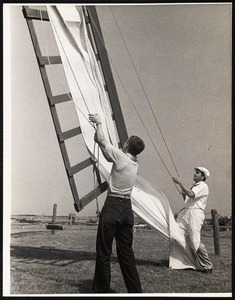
215, 223
54, 217
70, 219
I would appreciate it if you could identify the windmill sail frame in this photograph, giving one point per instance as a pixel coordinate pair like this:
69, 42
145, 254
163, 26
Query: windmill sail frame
88, 91
96, 39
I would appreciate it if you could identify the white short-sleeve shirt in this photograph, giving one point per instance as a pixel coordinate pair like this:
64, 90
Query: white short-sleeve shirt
124, 171
201, 191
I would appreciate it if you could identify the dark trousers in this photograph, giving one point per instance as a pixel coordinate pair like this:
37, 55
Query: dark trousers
116, 220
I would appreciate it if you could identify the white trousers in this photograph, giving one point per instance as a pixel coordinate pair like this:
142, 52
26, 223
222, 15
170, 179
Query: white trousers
191, 221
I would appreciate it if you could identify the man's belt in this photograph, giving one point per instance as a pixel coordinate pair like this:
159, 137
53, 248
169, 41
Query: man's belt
119, 196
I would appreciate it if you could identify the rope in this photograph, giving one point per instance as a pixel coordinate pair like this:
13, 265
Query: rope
94, 170
144, 91
101, 39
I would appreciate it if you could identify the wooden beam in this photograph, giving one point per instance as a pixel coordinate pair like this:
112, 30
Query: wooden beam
49, 60
60, 98
79, 167
65, 155
69, 134
215, 222
74, 189
34, 38
36, 14
92, 195
104, 61
54, 217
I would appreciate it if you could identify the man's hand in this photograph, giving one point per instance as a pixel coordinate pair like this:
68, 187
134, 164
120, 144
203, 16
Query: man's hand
176, 180
185, 191
99, 135
95, 118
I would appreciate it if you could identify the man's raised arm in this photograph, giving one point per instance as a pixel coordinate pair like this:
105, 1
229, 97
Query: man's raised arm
99, 138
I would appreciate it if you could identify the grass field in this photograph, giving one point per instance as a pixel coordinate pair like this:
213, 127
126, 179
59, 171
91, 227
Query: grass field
63, 263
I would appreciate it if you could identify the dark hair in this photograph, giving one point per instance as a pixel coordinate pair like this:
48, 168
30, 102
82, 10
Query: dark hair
136, 145
204, 179
202, 174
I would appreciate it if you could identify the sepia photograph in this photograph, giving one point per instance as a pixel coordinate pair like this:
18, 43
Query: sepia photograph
117, 149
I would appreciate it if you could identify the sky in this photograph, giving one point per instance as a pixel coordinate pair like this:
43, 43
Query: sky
175, 59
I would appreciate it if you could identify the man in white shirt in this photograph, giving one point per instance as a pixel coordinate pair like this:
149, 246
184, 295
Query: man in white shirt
192, 216
116, 218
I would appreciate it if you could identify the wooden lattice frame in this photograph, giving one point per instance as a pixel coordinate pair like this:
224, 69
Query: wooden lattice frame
101, 54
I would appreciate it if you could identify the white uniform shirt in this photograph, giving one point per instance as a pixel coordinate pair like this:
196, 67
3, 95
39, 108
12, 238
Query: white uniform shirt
124, 171
201, 192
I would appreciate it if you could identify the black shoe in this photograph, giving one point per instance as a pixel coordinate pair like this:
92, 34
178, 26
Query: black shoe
207, 271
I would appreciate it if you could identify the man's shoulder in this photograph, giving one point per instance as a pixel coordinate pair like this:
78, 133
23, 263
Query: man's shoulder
203, 183
112, 147
109, 148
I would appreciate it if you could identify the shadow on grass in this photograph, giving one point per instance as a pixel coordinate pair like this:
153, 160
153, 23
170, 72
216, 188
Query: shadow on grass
51, 254
26, 233
55, 256
85, 287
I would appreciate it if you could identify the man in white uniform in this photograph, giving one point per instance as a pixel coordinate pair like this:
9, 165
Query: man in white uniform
116, 218
192, 216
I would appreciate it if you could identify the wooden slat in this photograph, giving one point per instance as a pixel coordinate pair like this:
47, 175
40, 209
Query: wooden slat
98, 176
60, 98
34, 37
74, 190
51, 60
70, 133
92, 195
65, 156
79, 167
55, 119
30, 13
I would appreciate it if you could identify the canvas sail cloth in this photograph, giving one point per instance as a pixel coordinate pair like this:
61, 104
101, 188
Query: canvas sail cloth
87, 88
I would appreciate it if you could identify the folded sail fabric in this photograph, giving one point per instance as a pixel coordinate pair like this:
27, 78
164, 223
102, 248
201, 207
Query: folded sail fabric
87, 88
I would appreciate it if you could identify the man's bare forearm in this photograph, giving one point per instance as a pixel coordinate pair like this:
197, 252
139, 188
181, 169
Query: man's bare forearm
185, 190
100, 137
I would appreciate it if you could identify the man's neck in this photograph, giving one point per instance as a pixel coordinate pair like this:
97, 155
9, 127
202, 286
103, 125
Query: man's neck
132, 157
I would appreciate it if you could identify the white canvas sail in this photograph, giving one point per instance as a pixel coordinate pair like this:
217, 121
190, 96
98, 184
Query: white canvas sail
87, 89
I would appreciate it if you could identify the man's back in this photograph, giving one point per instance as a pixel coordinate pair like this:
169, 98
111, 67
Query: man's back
124, 171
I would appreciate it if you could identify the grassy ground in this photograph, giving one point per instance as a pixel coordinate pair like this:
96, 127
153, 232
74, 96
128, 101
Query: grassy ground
63, 263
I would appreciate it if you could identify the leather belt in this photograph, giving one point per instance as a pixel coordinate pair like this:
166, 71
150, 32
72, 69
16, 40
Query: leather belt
119, 196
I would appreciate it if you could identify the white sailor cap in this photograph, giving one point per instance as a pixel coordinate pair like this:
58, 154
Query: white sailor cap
204, 171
